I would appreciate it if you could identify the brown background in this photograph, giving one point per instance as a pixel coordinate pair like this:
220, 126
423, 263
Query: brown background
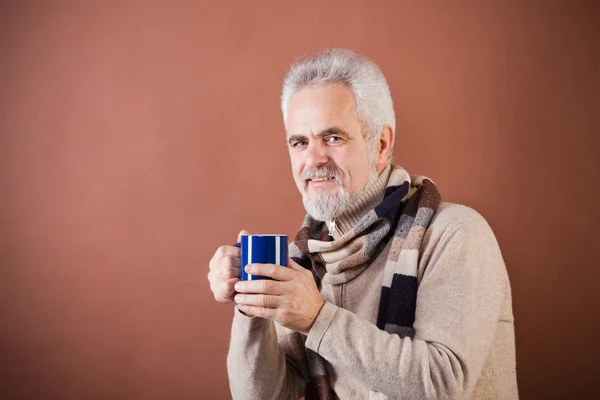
136, 137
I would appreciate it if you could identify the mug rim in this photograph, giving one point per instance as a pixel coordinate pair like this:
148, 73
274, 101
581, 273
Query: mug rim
265, 235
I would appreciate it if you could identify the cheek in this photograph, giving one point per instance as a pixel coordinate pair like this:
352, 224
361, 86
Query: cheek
346, 164
297, 164
355, 171
339, 160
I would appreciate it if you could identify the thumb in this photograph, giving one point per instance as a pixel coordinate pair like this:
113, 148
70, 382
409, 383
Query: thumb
242, 232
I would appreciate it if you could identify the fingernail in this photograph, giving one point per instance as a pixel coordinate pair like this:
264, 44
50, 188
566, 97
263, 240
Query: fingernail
237, 286
248, 268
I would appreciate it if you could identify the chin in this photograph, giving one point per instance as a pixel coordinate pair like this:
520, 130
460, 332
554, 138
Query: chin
317, 195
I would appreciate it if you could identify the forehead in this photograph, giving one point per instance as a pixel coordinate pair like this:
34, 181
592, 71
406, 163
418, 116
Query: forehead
319, 107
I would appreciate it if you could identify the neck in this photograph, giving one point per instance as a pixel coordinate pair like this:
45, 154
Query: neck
371, 195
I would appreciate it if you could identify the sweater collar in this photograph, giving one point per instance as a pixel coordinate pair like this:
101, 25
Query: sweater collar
365, 202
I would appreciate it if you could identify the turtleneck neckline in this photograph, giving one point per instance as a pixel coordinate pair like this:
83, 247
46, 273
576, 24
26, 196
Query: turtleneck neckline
367, 200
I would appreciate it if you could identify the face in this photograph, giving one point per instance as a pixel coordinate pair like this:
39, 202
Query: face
328, 151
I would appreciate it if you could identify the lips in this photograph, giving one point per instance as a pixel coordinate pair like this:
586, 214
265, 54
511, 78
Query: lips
321, 179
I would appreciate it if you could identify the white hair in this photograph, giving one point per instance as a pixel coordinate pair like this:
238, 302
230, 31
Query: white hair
362, 76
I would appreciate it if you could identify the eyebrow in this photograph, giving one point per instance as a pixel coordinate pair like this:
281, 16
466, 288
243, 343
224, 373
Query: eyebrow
334, 130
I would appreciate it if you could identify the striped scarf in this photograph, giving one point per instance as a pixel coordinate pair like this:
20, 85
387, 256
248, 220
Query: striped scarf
403, 215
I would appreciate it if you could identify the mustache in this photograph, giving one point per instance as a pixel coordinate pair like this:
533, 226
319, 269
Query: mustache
323, 171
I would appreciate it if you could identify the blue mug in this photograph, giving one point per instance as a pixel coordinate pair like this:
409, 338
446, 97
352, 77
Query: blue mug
262, 249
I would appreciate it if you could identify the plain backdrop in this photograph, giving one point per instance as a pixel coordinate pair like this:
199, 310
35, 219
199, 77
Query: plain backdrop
138, 136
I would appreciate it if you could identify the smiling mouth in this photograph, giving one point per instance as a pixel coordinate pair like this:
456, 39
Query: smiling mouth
321, 179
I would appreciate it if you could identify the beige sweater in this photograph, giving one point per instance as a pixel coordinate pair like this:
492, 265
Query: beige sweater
464, 345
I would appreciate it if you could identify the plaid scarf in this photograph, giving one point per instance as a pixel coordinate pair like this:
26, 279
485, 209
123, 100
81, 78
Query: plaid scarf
403, 215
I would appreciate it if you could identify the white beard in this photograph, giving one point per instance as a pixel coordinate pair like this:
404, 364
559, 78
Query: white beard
325, 207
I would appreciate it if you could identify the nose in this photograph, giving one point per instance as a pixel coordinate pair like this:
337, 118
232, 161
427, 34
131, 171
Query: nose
316, 154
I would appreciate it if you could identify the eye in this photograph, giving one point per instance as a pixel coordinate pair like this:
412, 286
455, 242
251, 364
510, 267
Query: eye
298, 144
333, 139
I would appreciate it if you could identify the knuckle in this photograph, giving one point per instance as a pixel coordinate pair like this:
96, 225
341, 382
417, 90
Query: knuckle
213, 262
268, 285
226, 260
227, 295
228, 273
220, 252
231, 261
225, 272
218, 276
264, 285
272, 269
214, 280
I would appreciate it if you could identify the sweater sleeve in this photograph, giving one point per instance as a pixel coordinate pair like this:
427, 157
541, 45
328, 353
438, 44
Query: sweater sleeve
459, 300
264, 361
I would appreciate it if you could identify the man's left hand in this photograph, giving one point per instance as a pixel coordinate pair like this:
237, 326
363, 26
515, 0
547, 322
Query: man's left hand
292, 299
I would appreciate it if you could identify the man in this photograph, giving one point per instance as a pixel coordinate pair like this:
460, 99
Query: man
389, 293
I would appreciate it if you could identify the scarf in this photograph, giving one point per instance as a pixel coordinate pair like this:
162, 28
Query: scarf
403, 215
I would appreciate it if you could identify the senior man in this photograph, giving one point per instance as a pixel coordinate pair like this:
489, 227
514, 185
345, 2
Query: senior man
390, 293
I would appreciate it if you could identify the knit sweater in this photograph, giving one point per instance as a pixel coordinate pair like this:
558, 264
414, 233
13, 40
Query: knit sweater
463, 347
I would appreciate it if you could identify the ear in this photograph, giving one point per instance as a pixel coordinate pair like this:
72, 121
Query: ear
385, 145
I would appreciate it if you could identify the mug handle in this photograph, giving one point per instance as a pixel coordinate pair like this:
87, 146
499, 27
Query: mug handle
239, 245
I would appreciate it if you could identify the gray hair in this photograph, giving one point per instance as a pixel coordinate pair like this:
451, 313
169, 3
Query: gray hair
372, 97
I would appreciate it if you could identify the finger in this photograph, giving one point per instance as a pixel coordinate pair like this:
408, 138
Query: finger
260, 286
229, 261
226, 272
276, 272
254, 311
222, 252
260, 300
226, 268
225, 290
242, 232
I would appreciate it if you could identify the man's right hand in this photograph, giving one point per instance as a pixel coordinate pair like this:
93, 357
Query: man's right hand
225, 271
